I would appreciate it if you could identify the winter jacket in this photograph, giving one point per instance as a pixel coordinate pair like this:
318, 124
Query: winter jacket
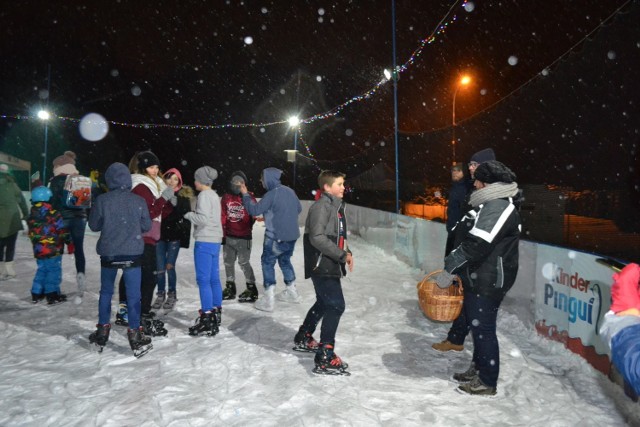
46, 231
159, 208
56, 185
486, 253
175, 226
236, 221
457, 203
12, 206
280, 207
121, 216
323, 256
207, 219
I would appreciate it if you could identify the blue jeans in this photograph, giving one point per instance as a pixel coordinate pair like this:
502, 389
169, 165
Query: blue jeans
206, 259
132, 277
276, 250
481, 313
166, 256
48, 276
77, 227
328, 307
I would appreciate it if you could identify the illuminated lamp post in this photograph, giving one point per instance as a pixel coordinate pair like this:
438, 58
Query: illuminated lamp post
294, 122
44, 116
465, 80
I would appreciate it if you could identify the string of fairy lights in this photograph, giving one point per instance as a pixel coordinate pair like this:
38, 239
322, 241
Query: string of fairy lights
442, 26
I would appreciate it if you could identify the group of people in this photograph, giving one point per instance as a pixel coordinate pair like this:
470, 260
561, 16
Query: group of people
145, 217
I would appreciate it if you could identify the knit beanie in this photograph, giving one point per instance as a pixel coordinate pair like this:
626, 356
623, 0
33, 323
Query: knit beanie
4, 168
483, 156
206, 175
147, 159
68, 158
494, 171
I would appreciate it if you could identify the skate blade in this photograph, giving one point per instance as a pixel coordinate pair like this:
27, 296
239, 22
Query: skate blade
319, 371
138, 353
305, 349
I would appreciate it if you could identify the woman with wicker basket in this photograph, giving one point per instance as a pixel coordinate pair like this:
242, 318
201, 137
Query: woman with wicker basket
487, 262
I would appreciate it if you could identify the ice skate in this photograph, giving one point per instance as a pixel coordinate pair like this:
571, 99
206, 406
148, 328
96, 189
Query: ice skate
304, 342
140, 344
290, 294
122, 316
151, 326
250, 294
229, 291
55, 298
266, 302
206, 324
170, 303
160, 298
9, 271
101, 336
328, 363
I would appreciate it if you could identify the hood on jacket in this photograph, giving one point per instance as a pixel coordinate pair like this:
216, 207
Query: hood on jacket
177, 173
237, 177
118, 176
271, 178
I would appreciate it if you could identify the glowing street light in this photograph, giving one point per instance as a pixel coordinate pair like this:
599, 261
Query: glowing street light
44, 115
464, 81
294, 122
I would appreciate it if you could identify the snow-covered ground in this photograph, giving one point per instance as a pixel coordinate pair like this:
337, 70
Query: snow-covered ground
248, 374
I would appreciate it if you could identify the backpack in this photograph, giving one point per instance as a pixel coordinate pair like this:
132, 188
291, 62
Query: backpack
76, 193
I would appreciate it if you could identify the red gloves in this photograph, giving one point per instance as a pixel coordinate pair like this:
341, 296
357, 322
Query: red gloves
625, 292
71, 248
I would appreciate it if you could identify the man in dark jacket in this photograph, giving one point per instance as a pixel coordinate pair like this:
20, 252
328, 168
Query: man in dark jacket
326, 258
486, 259
456, 203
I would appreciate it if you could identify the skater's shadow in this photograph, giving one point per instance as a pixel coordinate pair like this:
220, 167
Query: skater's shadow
416, 357
265, 332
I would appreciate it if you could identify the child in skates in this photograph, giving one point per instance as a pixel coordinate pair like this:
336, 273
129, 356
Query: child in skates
326, 259
208, 236
48, 236
121, 217
237, 225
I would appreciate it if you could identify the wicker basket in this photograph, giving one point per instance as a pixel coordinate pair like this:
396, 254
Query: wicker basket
443, 305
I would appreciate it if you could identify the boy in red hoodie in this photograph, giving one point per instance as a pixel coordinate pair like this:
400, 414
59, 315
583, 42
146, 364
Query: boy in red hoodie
238, 226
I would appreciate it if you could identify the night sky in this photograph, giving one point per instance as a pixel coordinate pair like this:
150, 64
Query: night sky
557, 106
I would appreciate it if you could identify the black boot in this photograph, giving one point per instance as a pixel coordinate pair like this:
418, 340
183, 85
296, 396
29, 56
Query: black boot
55, 298
36, 298
250, 295
101, 335
229, 291
139, 342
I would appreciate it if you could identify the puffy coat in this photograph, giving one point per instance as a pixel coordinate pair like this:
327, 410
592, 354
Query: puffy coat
12, 205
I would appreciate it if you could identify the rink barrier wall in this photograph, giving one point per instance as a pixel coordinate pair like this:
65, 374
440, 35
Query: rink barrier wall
562, 293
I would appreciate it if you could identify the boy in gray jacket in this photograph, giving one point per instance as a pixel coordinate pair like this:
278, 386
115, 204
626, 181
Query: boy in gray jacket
326, 259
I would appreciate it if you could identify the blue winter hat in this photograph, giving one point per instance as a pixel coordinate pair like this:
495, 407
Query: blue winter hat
40, 194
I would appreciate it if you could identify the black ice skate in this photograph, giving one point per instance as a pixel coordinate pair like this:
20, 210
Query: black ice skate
250, 295
151, 326
229, 291
328, 363
304, 342
101, 336
206, 324
140, 344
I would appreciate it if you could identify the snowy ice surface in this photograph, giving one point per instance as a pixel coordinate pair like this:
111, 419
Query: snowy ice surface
248, 374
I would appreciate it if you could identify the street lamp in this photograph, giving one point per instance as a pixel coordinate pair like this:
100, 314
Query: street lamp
294, 122
44, 115
464, 80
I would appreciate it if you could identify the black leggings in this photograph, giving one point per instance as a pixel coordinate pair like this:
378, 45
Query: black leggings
148, 282
8, 247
